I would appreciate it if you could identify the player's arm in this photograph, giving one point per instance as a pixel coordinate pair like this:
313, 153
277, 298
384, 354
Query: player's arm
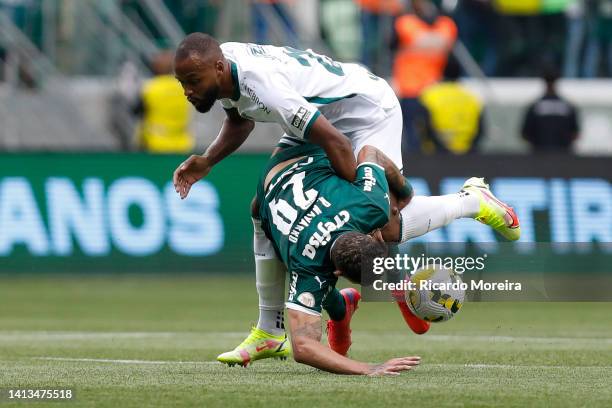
301, 119
337, 147
305, 332
397, 183
392, 231
232, 135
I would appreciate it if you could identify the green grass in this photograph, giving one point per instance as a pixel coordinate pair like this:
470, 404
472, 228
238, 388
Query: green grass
491, 354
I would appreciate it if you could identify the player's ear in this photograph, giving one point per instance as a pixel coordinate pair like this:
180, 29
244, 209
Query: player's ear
220, 67
337, 273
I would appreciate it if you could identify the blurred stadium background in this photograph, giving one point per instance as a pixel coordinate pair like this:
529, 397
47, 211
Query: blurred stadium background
85, 181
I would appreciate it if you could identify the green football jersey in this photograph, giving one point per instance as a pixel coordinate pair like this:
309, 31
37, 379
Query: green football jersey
306, 206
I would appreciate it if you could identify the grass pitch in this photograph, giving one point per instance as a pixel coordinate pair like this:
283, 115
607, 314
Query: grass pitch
152, 341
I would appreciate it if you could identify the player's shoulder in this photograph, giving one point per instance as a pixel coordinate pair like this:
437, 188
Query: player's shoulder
252, 57
254, 65
232, 48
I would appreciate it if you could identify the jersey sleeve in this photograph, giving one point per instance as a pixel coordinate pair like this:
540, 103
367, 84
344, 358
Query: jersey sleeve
274, 93
372, 182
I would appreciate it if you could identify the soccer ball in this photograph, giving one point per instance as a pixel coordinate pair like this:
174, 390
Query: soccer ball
438, 293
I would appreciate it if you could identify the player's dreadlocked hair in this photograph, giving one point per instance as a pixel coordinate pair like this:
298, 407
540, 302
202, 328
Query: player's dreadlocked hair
353, 252
202, 44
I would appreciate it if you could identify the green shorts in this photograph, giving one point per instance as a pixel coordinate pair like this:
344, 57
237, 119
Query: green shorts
307, 292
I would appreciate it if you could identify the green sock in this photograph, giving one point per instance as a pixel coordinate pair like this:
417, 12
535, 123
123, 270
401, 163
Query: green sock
334, 305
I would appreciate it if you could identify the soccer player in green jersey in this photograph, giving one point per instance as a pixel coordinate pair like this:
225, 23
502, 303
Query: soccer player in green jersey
318, 224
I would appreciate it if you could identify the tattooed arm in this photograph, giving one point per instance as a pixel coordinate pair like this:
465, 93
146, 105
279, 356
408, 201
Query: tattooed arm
397, 183
305, 332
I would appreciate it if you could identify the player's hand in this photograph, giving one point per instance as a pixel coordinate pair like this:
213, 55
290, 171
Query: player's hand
190, 171
395, 366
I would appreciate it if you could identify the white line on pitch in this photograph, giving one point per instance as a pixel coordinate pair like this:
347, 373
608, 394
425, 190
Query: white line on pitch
507, 339
453, 365
510, 366
44, 335
489, 339
84, 335
105, 360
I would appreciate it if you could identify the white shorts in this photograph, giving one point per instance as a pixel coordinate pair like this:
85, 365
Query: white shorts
386, 136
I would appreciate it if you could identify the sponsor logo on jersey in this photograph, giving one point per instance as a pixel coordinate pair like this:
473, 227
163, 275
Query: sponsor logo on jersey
300, 118
323, 234
307, 299
369, 179
257, 50
292, 286
321, 282
255, 99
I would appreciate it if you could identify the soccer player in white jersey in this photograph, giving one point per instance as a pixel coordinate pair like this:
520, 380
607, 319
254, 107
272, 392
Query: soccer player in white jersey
340, 107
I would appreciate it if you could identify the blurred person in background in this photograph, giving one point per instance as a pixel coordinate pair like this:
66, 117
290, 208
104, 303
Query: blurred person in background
376, 32
200, 15
551, 123
456, 114
529, 29
340, 28
577, 21
477, 20
263, 11
165, 113
423, 41
2, 63
599, 39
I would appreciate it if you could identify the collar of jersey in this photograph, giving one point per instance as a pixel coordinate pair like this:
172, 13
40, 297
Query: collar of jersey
286, 154
279, 174
234, 70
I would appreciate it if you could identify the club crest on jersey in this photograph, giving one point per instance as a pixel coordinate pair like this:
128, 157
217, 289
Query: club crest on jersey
300, 118
369, 179
307, 299
323, 234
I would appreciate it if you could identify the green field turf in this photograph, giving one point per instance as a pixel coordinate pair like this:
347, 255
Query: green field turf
156, 339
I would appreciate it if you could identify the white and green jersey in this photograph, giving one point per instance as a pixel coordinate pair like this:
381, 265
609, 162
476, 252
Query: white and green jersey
292, 87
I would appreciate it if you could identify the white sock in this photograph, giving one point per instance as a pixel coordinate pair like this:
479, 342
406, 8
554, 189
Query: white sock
424, 214
270, 275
